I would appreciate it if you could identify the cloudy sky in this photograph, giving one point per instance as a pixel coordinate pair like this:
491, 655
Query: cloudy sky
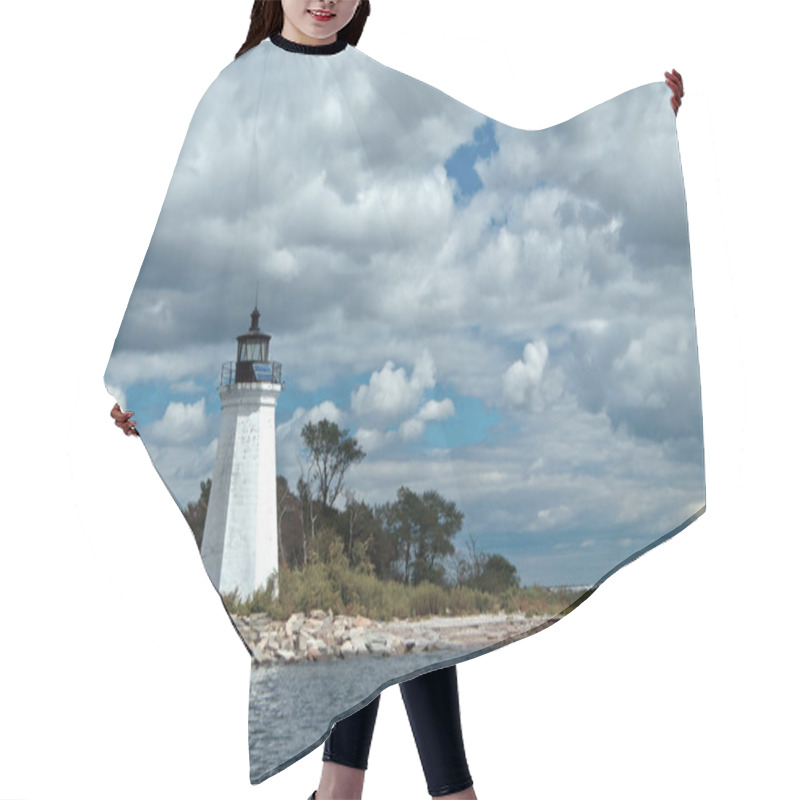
502, 315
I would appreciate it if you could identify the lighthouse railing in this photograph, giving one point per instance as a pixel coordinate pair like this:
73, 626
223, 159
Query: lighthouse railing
262, 372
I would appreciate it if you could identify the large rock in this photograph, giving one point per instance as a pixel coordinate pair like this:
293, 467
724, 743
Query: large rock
318, 645
341, 625
359, 644
294, 624
287, 656
380, 645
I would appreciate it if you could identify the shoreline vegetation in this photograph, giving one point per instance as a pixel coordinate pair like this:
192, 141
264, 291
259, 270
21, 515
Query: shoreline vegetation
337, 586
330, 610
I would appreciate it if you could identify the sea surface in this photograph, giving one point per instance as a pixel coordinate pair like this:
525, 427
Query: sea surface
292, 706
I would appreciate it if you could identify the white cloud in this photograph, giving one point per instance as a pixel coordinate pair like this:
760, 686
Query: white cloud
186, 387
436, 410
370, 439
181, 423
391, 393
183, 466
432, 411
412, 429
185, 363
523, 376
291, 429
325, 410
547, 518
118, 394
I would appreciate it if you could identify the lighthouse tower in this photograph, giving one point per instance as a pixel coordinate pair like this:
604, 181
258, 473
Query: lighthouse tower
240, 539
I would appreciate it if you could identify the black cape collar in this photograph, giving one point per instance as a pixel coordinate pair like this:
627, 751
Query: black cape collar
307, 49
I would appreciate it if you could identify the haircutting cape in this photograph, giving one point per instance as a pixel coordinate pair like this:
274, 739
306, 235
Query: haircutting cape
489, 331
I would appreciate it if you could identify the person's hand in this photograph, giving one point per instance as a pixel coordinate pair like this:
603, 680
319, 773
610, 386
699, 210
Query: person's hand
122, 419
675, 82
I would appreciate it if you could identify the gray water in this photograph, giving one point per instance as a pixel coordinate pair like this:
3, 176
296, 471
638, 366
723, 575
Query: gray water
292, 706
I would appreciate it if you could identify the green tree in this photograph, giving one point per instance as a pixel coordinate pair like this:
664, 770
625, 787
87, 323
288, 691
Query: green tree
488, 572
498, 575
308, 517
383, 549
331, 451
358, 528
423, 528
195, 513
290, 528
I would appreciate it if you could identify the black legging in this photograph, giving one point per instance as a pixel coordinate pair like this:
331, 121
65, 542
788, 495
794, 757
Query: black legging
433, 711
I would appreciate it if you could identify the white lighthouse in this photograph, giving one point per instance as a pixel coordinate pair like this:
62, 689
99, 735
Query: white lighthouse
240, 539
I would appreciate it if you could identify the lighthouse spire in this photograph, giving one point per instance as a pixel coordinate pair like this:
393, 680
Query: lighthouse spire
255, 316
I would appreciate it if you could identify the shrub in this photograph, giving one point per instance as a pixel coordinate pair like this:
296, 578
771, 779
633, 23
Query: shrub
335, 585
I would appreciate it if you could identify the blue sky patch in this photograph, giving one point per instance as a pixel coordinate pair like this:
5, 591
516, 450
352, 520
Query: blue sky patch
461, 165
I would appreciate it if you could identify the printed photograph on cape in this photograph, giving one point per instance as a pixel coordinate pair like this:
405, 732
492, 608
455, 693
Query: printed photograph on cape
419, 380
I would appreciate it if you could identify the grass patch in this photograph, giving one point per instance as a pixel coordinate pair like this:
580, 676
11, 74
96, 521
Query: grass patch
335, 585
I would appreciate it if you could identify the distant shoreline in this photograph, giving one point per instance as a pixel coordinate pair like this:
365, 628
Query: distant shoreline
323, 636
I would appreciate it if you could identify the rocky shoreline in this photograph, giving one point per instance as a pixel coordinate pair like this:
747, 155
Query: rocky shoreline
320, 635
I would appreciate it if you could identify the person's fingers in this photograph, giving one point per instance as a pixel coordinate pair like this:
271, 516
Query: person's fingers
674, 81
122, 419
120, 416
127, 425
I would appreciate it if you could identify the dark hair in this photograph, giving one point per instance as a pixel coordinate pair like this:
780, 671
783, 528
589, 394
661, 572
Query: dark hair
266, 18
